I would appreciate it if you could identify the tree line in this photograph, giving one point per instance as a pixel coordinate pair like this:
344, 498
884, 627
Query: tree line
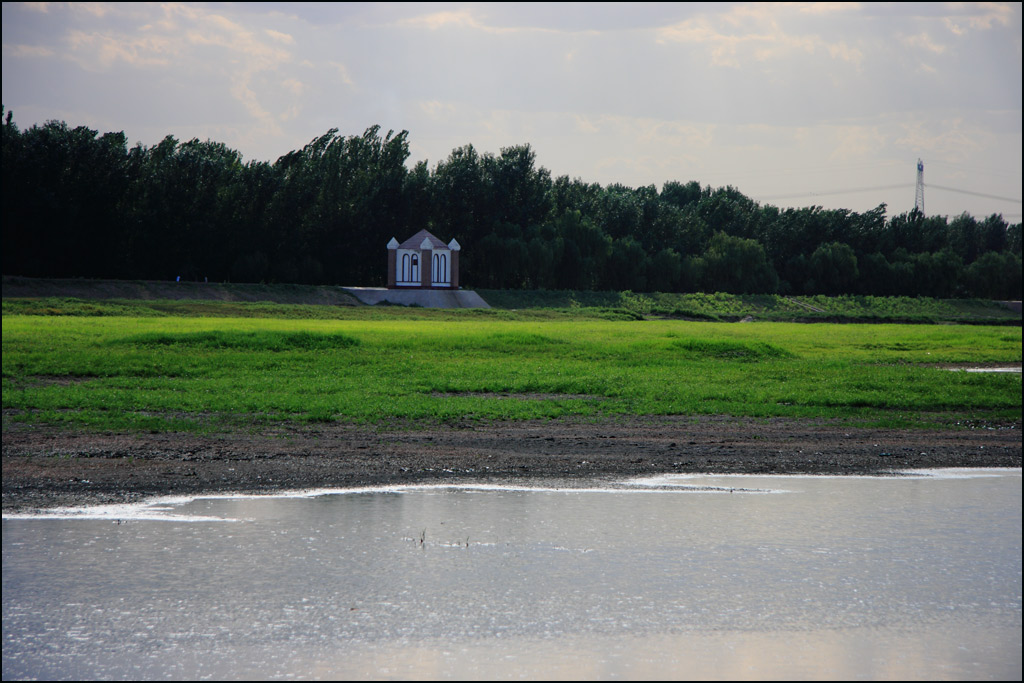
80, 204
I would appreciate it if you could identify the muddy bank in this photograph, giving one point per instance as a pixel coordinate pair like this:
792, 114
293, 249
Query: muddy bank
45, 467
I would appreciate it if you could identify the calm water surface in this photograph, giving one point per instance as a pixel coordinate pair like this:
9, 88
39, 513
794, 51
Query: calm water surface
915, 577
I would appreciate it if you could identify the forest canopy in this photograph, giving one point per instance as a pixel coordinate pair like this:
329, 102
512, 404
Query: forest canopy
80, 204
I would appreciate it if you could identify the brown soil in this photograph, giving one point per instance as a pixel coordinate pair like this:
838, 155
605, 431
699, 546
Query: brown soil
46, 467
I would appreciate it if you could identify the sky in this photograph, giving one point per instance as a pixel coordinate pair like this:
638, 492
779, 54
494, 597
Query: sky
794, 104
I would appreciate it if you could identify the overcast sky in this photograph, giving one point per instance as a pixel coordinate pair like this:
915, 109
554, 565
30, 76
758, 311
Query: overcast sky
793, 104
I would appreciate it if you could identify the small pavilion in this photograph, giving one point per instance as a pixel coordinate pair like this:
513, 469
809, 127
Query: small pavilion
423, 262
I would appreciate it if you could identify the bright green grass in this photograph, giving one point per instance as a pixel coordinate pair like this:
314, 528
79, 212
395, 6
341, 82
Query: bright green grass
196, 373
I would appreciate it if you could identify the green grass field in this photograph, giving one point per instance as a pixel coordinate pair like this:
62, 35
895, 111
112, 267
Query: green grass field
213, 368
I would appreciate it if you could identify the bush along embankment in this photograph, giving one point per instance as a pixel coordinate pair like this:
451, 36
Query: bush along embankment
765, 307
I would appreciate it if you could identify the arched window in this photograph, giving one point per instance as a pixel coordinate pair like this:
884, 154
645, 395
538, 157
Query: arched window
414, 269
406, 272
440, 273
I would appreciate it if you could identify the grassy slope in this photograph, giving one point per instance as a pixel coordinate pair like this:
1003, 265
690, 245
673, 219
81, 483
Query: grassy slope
84, 297
763, 306
117, 366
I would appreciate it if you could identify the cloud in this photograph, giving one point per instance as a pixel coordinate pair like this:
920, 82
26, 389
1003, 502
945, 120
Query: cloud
98, 51
27, 51
437, 20
857, 142
342, 71
294, 86
954, 140
585, 125
465, 19
96, 9
980, 16
290, 113
924, 42
822, 8
846, 53
757, 33
435, 109
247, 56
279, 37
177, 36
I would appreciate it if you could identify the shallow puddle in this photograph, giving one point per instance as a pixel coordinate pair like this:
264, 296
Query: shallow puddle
1016, 370
724, 577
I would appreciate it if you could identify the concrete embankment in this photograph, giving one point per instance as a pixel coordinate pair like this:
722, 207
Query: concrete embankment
216, 291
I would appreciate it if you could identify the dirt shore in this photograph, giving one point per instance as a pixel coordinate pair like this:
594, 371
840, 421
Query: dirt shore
47, 467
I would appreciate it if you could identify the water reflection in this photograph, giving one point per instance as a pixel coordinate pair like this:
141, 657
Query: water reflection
675, 577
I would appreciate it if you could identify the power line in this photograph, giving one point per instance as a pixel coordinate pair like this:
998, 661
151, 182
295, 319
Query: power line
999, 173
900, 186
976, 194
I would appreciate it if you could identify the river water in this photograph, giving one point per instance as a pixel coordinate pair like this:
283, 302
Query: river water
682, 577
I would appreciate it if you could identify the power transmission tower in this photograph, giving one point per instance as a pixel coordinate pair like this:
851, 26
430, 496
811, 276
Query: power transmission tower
919, 194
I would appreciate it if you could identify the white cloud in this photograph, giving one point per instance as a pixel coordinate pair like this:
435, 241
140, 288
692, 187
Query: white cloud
294, 86
27, 51
951, 140
924, 42
467, 19
290, 113
757, 32
435, 109
436, 20
855, 143
978, 16
822, 8
846, 53
585, 125
98, 51
279, 37
342, 71
96, 9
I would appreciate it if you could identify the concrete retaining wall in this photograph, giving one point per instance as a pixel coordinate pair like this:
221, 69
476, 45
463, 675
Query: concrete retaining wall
427, 298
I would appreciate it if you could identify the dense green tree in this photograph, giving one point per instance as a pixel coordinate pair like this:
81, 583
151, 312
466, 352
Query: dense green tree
80, 204
738, 266
996, 276
680, 196
62, 192
1013, 239
626, 267
832, 269
520, 192
966, 237
664, 272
